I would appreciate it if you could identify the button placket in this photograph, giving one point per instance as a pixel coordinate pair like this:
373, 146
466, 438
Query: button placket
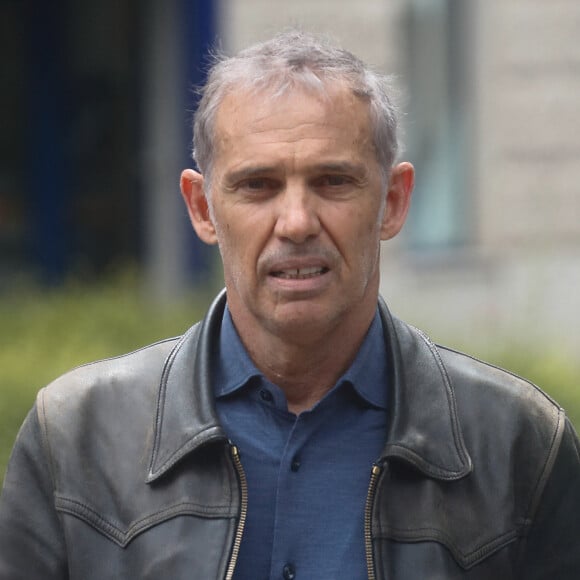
295, 465
266, 395
282, 553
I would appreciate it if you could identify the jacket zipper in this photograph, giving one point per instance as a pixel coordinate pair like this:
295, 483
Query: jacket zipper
243, 511
375, 472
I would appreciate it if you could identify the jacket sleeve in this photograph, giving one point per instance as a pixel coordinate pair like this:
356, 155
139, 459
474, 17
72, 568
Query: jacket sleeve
32, 545
553, 544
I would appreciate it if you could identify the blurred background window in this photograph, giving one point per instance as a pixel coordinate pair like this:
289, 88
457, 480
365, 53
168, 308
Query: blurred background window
437, 48
69, 144
95, 114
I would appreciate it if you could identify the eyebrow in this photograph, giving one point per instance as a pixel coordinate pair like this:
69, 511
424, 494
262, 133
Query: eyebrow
357, 169
249, 172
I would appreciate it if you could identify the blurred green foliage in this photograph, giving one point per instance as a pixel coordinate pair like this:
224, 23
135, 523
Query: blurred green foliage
556, 374
44, 333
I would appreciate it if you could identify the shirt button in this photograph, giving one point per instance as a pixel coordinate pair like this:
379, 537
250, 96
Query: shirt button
266, 395
288, 572
295, 465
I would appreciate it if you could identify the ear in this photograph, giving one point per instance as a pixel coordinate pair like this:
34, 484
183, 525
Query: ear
401, 182
191, 184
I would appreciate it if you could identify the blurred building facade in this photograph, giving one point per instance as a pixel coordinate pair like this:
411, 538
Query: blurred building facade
95, 110
492, 247
491, 251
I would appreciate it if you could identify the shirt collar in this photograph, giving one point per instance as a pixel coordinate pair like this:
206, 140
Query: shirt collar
235, 367
367, 374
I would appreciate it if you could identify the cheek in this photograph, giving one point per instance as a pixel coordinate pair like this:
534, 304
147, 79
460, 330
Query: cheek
237, 245
368, 224
368, 236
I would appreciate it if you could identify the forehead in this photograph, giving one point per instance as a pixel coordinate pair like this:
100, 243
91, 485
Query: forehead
333, 115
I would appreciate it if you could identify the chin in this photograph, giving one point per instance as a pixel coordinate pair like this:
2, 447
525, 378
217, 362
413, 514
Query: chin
305, 319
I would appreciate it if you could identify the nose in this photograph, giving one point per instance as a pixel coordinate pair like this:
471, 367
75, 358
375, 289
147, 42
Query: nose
297, 220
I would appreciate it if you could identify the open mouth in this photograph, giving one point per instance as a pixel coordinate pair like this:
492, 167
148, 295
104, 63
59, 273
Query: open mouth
300, 273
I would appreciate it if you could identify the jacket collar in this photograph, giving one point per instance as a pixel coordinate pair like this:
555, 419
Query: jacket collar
186, 418
424, 429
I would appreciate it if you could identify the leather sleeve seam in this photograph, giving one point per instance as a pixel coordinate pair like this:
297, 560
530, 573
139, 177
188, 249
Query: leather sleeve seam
546, 467
575, 442
45, 439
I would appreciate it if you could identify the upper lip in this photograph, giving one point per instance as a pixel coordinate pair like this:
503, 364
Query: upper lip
292, 264
288, 259
296, 264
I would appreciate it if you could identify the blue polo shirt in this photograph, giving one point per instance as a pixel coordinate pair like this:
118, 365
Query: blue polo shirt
308, 475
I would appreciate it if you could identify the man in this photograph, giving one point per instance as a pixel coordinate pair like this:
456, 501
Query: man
300, 430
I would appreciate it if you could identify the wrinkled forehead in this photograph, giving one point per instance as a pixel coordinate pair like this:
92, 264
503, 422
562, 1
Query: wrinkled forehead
330, 105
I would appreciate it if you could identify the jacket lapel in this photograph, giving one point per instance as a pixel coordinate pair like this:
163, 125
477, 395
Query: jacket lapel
186, 417
424, 428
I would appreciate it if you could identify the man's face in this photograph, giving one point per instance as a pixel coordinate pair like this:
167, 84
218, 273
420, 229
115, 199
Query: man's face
298, 205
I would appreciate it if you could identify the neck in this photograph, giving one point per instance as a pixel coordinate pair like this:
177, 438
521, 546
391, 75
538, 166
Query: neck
306, 368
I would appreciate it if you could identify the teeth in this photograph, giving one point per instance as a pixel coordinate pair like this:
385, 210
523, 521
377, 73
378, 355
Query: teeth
301, 272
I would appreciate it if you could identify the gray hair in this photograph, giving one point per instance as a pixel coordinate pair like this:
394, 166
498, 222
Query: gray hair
289, 60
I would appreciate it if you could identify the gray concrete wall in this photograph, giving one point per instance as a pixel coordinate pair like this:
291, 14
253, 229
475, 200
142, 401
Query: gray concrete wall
518, 276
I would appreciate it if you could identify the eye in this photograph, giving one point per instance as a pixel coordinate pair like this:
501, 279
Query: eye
332, 180
255, 184
258, 185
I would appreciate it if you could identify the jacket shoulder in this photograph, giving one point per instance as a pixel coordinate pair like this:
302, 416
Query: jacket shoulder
89, 408
496, 392
512, 433
107, 377
104, 409
507, 422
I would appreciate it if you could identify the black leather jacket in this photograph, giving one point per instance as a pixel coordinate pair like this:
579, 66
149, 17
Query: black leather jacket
122, 471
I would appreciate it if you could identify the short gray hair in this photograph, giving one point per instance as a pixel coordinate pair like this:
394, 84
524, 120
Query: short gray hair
289, 60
